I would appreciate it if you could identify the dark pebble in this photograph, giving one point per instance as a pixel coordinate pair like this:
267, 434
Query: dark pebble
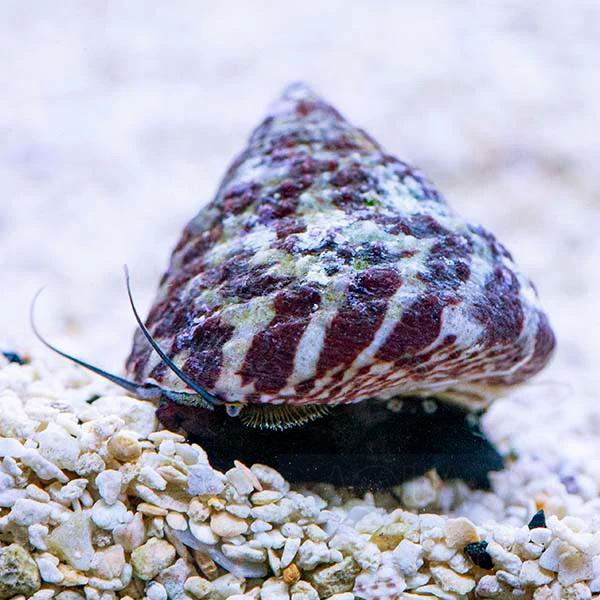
538, 520
478, 554
13, 357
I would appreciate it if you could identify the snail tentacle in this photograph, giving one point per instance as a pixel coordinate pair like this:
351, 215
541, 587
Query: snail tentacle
207, 396
141, 391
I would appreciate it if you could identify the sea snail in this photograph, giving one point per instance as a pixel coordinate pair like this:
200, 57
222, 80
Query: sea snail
327, 272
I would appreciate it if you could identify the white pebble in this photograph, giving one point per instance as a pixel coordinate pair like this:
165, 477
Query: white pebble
203, 533
109, 516
204, 480
28, 512
156, 591
408, 557
290, 549
48, 566
109, 485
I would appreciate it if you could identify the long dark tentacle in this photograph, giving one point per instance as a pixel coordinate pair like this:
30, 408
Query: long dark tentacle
212, 400
130, 386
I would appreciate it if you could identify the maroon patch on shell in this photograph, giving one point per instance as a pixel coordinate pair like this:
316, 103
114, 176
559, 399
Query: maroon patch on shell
500, 310
288, 226
356, 323
239, 197
253, 281
270, 360
205, 347
418, 328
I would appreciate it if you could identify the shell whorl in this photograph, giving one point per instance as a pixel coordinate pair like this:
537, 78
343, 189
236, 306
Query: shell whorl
327, 271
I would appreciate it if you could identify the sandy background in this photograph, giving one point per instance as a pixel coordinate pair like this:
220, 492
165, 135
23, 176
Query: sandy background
118, 119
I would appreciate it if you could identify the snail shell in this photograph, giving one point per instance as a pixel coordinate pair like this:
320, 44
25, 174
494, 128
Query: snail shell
326, 271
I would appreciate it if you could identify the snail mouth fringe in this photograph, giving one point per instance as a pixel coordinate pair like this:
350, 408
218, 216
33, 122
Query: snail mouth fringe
279, 417
365, 445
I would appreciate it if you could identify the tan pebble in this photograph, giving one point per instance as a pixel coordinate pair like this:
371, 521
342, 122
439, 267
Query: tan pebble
130, 536
269, 478
533, 575
150, 509
156, 527
302, 590
215, 503
177, 521
226, 525
574, 566
182, 550
389, 536
336, 578
198, 511
124, 446
198, 587
241, 481
460, 532
543, 593
109, 563
315, 533
291, 574
72, 541
157, 437
450, 581
265, 497
255, 482
72, 577
206, 564
151, 558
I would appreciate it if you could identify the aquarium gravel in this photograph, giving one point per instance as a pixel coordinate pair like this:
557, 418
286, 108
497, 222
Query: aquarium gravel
97, 503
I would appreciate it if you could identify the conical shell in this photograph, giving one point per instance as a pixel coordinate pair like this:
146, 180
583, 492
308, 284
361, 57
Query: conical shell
328, 271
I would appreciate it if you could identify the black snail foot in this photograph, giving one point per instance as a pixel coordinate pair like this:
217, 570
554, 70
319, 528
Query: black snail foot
365, 445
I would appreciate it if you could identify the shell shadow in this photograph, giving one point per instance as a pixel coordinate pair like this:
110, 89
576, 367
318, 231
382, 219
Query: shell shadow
364, 446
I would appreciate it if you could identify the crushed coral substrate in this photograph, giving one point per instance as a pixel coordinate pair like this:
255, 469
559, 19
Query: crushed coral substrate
98, 503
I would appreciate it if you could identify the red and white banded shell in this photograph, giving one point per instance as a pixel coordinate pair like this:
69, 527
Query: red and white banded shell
327, 271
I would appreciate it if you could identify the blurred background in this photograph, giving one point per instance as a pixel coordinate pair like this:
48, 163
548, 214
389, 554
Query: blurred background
117, 121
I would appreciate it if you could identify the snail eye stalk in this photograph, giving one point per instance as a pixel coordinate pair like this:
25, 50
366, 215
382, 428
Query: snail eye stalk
208, 397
